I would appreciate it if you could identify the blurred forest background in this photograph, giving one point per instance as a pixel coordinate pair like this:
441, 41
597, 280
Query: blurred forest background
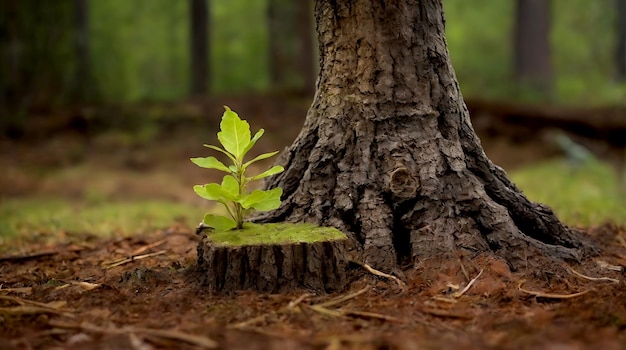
66, 52
106, 99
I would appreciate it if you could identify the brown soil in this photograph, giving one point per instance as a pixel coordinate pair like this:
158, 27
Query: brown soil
69, 295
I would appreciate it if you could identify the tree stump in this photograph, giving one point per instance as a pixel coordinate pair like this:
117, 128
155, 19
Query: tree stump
274, 258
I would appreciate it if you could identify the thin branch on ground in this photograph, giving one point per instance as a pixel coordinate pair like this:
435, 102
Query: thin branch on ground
380, 273
30, 307
28, 256
149, 246
365, 314
343, 298
614, 280
134, 258
292, 304
197, 340
446, 313
298, 300
469, 285
550, 295
25, 290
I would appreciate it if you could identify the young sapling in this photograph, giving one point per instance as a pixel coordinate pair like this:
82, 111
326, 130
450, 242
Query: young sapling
232, 193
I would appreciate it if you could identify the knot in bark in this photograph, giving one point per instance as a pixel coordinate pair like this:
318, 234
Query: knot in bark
402, 184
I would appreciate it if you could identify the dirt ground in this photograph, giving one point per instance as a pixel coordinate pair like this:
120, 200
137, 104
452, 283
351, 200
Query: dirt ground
142, 292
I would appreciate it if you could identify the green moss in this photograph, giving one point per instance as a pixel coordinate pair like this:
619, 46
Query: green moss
48, 219
587, 195
280, 233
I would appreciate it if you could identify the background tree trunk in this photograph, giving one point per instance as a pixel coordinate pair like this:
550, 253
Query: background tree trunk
533, 58
199, 47
305, 49
621, 40
84, 84
388, 154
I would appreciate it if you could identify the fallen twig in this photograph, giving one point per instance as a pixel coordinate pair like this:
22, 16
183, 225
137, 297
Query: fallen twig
550, 295
28, 256
260, 318
197, 340
25, 290
298, 300
343, 298
379, 273
614, 280
149, 246
134, 258
445, 313
366, 314
469, 285
31, 307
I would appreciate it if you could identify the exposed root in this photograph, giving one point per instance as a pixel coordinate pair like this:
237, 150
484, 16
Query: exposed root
550, 295
380, 273
614, 280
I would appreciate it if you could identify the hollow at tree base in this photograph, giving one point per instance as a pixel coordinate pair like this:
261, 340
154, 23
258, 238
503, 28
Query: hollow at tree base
274, 258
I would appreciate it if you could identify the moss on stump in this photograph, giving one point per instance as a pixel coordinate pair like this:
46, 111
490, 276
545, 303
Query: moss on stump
274, 258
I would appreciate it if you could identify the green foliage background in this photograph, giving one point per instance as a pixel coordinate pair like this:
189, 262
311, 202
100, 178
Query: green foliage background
140, 49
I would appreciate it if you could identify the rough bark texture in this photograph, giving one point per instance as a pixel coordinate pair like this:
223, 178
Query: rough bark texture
388, 154
273, 268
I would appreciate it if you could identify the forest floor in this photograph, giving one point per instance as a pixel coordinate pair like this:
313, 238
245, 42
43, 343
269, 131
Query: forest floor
82, 291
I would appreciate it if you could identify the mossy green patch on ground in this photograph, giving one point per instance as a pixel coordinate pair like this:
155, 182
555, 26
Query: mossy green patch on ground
276, 233
586, 195
52, 219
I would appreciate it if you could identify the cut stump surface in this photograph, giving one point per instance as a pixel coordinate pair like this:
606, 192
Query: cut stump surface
274, 258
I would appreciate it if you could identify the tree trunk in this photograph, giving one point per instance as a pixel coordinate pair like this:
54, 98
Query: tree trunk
305, 50
388, 154
533, 59
199, 47
621, 40
319, 266
84, 85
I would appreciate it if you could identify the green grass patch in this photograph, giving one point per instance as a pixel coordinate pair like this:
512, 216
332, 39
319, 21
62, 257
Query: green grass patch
39, 218
588, 195
280, 233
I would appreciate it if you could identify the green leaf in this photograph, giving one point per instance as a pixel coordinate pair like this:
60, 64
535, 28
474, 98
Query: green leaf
232, 157
276, 169
210, 163
231, 186
220, 223
263, 200
259, 157
214, 192
234, 134
252, 142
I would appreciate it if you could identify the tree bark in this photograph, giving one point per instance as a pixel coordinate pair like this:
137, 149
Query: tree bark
388, 154
199, 47
533, 58
320, 267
